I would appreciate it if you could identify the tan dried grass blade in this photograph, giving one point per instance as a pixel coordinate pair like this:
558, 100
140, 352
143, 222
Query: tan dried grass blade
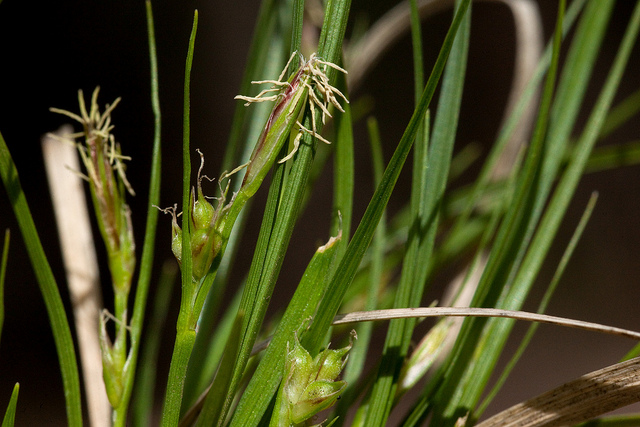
587, 397
80, 263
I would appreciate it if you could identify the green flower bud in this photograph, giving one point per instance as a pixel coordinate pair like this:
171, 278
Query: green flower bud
113, 364
318, 396
202, 213
299, 367
309, 385
205, 246
330, 362
206, 241
176, 235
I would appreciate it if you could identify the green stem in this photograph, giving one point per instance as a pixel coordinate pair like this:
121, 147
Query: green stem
185, 340
146, 264
186, 336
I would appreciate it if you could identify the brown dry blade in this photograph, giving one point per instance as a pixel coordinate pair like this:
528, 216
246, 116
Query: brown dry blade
587, 397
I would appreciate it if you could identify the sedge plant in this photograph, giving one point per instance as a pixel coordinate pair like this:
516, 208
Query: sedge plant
314, 361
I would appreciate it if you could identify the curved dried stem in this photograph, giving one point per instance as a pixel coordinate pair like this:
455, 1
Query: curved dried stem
399, 313
589, 396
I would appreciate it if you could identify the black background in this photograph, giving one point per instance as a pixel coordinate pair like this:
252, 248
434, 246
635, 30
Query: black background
49, 50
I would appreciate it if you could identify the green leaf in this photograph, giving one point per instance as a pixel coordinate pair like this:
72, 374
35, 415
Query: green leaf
203, 365
144, 389
431, 170
213, 411
613, 156
621, 113
358, 353
546, 299
264, 383
364, 233
3, 272
47, 284
283, 204
148, 249
547, 229
463, 383
186, 335
10, 414
343, 175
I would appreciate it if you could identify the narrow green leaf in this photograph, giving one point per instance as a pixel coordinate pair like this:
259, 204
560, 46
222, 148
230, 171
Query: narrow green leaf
144, 389
364, 233
485, 177
588, 138
579, 64
343, 176
429, 180
358, 354
282, 210
47, 284
213, 411
461, 386
185, 336
264, 383
3, 272
148, 249
546, 299
186, 259
10, 414
613, 156
621, 114
202, 367
296, 28
557, 206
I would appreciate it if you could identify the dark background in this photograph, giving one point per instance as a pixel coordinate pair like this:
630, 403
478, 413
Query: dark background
49, 50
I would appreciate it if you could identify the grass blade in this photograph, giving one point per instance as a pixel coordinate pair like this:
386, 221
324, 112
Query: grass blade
277, 226
148, 249
48, 286
10, 414
358, 353
343, 177
146, 377
215, 405
3, 273
428, 185
185, 337
266, 379
543, 303
364, 233
456, 395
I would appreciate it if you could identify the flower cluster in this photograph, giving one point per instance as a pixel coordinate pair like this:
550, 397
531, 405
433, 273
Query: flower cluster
211, 227
105, 172
309, 384
204, 223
